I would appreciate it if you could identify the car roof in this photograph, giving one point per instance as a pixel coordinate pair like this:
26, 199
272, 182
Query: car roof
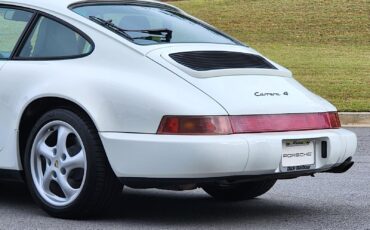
64, 4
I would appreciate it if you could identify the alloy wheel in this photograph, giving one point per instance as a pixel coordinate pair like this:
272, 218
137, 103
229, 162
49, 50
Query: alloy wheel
58, 163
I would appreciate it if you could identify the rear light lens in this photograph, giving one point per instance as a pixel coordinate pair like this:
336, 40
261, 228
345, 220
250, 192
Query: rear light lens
284, 122
334, 120
223, 125
195, 125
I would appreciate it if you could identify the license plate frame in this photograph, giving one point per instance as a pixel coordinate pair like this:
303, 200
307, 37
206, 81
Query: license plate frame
298, 155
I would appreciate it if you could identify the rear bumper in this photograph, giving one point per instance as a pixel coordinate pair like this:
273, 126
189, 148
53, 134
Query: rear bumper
136, 182
153, 156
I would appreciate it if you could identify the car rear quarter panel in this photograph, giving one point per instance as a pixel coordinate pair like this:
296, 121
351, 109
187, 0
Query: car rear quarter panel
121, 90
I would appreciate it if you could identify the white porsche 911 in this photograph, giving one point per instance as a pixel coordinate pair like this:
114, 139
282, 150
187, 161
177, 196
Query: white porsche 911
98, 94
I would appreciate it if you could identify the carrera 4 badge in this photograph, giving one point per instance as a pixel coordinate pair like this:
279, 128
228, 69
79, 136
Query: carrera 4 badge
269, 94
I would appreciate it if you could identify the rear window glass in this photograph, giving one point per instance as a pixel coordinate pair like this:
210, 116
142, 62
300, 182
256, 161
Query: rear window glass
141, 24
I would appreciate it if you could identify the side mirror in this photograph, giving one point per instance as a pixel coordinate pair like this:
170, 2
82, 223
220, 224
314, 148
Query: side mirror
17, 15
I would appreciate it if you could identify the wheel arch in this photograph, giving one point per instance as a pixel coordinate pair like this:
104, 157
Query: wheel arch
35, 109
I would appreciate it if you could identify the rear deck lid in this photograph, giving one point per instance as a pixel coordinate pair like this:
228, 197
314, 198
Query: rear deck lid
239, 79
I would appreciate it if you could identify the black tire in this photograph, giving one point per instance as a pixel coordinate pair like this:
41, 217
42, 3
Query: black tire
101, 186
240, 191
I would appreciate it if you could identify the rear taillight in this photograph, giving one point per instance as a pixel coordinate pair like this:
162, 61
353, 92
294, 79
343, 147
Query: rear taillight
195, 125
223, 125
334, 120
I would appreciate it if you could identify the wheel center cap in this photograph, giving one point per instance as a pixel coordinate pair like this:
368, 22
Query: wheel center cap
56, 164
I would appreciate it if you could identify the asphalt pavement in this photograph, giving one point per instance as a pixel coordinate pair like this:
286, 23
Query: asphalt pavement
328, 201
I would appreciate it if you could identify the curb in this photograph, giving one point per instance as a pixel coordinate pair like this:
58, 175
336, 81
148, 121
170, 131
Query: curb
355, 119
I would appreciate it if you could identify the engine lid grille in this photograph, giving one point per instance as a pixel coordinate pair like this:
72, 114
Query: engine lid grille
217, 60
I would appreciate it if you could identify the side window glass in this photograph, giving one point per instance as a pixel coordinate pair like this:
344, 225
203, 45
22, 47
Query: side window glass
50, 39
12, 24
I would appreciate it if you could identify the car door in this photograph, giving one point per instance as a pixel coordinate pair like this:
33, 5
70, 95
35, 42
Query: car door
13, 22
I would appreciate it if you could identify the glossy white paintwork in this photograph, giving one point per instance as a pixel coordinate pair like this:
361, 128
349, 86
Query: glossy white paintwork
126, 89
1, 64
157, 156
235, 89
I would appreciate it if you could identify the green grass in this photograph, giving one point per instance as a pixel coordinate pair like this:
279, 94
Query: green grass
326, 43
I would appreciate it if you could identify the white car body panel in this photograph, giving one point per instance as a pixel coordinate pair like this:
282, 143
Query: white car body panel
234, 88
157, 156
126, 89
122, 113
2, 63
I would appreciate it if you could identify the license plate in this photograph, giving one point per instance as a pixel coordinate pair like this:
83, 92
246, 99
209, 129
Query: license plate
298, 155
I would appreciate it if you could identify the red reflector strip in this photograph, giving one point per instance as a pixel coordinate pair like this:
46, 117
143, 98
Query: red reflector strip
284, 122
223, 125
